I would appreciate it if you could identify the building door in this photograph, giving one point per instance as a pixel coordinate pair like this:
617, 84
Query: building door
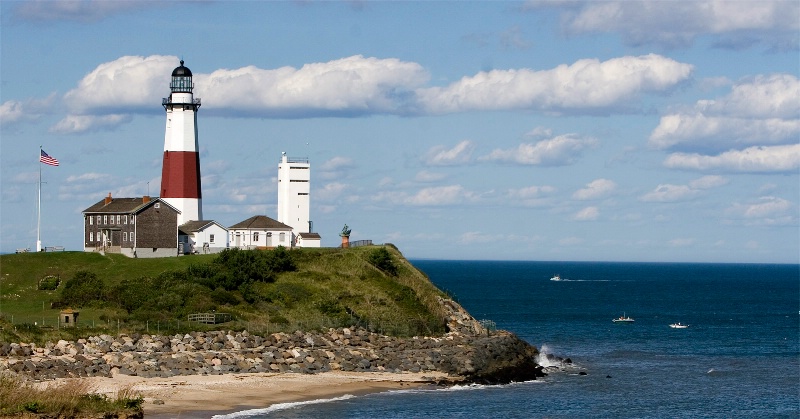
238, 239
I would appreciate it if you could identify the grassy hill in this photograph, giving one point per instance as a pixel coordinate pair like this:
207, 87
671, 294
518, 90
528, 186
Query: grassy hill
263, 291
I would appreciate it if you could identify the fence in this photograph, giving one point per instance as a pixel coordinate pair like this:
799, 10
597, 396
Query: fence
360, 243
210, 318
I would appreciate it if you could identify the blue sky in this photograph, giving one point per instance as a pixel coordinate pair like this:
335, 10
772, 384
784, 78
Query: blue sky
598, 131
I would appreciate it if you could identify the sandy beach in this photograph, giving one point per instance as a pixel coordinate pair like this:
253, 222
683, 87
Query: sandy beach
199, 396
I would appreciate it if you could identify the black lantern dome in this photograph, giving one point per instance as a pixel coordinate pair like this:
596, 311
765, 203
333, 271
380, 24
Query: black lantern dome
181, 80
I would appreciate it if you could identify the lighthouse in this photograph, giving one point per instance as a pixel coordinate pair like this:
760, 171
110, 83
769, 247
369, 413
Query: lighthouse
180, 173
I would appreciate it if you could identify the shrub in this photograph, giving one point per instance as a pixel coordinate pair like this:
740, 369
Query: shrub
84, 288
382, 259
49, 283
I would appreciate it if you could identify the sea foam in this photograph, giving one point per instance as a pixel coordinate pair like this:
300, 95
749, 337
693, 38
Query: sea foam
278, 407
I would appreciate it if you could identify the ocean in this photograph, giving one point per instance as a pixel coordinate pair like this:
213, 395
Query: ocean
740, 357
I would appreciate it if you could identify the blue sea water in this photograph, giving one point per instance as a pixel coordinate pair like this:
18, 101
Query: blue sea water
739, 358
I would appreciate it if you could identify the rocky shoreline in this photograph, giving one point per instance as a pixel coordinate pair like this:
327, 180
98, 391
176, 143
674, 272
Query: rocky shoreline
467, 353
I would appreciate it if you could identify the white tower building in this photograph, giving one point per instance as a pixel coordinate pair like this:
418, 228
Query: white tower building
180, 175
294, 185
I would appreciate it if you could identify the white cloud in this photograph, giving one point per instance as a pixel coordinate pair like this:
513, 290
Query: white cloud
674, 193
11, 111
426, 176
76, 10
588, 84
559, 151
768, 206
679, 23
433, 196
531, 192
441, 156
358, 85
344, 87
762, 110
596, 189
337, 163
772, 159
708, 182
74, 124
130, 83
669, 193
767, 210
587, 214
331, 191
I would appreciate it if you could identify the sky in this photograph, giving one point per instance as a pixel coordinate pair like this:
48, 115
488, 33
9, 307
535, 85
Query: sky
664, 131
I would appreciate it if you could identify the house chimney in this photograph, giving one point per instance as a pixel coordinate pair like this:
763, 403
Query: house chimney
145, 199
108, 199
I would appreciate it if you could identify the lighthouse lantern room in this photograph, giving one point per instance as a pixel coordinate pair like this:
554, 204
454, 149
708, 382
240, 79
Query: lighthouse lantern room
180, 174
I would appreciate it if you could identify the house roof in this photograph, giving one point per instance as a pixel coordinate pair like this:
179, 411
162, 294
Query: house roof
195, 226
260, 222
310, 236
124, 205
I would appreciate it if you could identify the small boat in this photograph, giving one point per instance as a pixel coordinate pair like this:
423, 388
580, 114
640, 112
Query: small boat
623, 319
678, 325
556, 278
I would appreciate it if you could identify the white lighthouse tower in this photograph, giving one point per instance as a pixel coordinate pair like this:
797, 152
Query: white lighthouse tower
294, 179
180, 174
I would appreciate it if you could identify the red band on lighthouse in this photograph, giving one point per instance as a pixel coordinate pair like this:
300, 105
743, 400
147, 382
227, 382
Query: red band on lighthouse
180, 175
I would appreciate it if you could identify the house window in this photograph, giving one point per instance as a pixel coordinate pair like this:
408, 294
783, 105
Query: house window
133, 217
112, 220
131, 236
98, 220
105, 219
125, 219
211, 238
157, 205
91, 236
124, 236
282, 237
255, 237
91, 220
118, 219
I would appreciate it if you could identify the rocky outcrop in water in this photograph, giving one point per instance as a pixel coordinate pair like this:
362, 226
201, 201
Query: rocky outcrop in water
467, 352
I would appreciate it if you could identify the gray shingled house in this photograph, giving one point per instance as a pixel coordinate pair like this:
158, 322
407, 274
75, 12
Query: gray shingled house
135, 227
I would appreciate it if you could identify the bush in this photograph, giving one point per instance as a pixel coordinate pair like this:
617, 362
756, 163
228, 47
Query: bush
83, 289
382, 259
49, 283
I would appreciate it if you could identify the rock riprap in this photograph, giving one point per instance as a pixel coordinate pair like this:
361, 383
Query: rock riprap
468, 352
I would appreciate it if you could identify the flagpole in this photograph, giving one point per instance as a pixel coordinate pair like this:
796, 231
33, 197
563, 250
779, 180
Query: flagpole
39, 206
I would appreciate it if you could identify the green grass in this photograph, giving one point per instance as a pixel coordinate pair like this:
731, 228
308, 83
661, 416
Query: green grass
330, 288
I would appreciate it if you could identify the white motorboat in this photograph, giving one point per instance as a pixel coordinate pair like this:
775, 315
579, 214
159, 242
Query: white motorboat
679, 325
623, 319
556, 278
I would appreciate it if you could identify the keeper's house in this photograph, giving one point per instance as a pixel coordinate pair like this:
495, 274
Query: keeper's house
260, 232
135, 227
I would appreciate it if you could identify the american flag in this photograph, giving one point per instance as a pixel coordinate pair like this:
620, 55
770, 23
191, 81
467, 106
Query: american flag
46, 159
